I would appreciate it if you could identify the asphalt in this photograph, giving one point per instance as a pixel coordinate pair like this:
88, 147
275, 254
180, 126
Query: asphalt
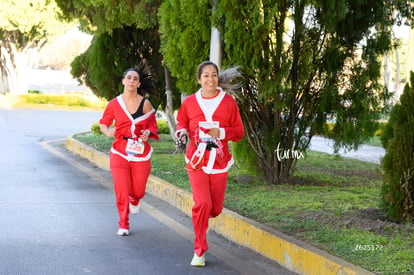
289, 252
57, 215
364, 153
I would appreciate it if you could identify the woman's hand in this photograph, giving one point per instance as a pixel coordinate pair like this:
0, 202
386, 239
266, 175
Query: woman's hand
144, 135
214, 132
111, 132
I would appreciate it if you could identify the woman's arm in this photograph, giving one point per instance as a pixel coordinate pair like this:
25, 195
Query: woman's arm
107, 131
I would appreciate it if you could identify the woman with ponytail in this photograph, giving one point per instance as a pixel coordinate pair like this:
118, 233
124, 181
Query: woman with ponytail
209, 118
130, 154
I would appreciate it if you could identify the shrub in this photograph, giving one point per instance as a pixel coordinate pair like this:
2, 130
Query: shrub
327, 129
95, 129
34, 92
244, 156
163, 127
61, 100
398, 162
380, 131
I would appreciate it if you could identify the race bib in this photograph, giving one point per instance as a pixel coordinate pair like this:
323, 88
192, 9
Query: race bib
204, 128
135, 147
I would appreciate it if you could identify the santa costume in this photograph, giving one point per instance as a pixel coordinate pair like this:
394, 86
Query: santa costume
130, 169
208, 159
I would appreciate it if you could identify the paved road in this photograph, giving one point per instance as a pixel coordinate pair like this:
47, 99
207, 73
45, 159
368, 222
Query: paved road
364, 153
56, 216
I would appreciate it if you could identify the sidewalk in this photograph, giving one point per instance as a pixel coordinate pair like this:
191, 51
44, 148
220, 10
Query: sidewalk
293, 254
364, 153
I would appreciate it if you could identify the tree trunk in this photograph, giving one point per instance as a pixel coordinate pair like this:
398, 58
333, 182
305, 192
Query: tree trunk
4, 83
8, 67
386, 72
216, 51
410, 55
14, 69
397, 75
169, 110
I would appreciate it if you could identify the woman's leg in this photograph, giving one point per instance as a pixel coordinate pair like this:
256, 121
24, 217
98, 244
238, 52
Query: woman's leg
140, 172
200, 185
121, 174
218, 183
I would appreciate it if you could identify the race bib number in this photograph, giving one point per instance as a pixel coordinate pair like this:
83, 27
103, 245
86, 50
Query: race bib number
204, 128
135, 147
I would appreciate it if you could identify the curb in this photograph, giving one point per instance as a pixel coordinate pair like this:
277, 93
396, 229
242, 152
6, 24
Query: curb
293, 254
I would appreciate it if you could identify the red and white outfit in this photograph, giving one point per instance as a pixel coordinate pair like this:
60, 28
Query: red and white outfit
129, 172
208, 169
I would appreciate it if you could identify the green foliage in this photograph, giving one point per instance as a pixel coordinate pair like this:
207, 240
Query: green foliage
321, 213
23, 30
106, 15
185, 39
244, 158
398, 162
387, 128
163, 127
295, 82
99, 142
60, 100
110, 54
380, 130
96, 129
126, 32
297, 74
25, 26
34, 92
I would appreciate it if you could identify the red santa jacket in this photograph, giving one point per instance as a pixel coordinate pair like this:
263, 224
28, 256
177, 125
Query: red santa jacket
128, 127
194, 110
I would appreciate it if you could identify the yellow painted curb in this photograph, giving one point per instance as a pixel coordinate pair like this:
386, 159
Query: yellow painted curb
287, 251
94, 156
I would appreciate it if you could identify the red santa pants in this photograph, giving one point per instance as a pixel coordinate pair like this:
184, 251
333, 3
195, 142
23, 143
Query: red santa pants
208, 195
130, 181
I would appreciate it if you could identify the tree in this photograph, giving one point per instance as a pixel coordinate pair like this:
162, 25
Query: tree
398, 163
134, 18
106, 15
56, 57
102, 66
185, 27
24, 28
304, 62
410, 52
400, 23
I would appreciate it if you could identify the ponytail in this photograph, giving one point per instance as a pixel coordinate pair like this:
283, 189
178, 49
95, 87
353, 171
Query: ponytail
146, 77
226, 80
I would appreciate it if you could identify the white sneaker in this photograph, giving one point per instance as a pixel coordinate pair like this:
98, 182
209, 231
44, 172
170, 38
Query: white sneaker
134, 209
198, 261
123, 232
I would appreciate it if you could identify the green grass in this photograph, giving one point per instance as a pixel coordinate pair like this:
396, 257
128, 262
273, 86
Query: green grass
318, 207
375, 141
75, 101
326, 193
